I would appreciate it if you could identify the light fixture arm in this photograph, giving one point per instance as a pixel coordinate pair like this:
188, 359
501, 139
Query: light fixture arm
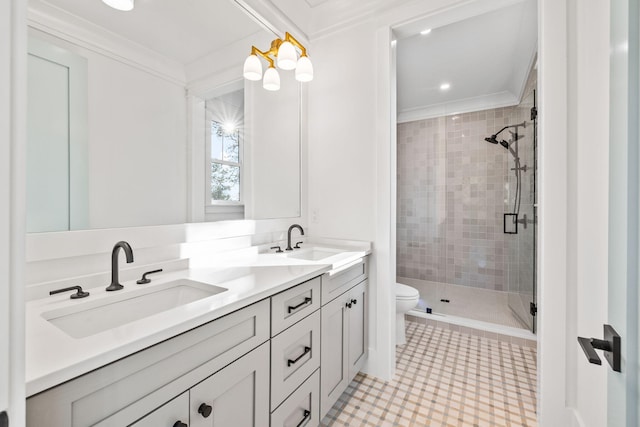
265, 55
289, 38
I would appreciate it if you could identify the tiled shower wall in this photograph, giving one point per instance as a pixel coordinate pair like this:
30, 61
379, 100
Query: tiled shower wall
453, 189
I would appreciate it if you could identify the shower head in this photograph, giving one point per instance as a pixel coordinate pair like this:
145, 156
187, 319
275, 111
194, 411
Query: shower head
492, 139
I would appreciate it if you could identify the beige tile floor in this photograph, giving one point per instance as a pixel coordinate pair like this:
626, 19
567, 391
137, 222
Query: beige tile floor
445, 378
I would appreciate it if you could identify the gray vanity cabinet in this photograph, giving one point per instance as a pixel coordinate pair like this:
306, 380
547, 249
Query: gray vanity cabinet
343, 335
229, 354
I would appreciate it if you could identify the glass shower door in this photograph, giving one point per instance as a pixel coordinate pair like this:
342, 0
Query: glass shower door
521, 200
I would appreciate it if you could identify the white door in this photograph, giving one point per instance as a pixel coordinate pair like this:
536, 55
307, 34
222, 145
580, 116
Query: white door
622, 397
605, 397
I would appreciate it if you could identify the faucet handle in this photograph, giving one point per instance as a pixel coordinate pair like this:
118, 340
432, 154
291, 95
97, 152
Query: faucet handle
144, 277
79, 292
297, 246
277, 247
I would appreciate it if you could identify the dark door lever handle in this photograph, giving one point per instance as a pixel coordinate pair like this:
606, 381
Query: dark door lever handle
589, 351
610, 345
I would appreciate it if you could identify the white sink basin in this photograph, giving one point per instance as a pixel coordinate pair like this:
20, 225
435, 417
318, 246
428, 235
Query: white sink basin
101, 315
313, 254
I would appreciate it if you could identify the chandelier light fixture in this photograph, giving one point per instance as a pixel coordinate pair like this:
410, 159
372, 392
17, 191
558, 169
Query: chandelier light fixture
283, 54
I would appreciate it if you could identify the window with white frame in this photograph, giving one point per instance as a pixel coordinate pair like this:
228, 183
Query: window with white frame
225, 117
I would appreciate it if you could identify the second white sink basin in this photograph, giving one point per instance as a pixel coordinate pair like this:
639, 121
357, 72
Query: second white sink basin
101, 315
313, 254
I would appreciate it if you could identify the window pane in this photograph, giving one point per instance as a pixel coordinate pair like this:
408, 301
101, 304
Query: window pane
216, 140
225, 182
231, 145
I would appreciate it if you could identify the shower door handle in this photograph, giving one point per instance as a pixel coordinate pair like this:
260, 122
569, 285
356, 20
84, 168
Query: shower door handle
514, 221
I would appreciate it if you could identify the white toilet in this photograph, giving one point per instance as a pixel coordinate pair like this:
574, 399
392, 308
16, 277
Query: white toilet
406, 299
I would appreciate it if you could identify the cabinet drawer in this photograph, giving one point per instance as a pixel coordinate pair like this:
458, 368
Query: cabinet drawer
342, 279
169, 414
302, 407
295, 354
294, 304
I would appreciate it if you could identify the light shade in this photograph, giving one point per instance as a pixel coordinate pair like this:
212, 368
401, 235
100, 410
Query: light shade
125, 5
271, 79
287, 56
304, 70
252, 68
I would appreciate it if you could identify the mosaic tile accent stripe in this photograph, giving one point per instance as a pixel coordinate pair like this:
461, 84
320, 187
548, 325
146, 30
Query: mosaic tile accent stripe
445, 378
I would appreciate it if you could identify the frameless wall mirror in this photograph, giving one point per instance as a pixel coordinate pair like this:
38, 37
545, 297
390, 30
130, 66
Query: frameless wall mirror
110, 128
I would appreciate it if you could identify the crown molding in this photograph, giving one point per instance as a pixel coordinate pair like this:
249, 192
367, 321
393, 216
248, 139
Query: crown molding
82, 33
468, 105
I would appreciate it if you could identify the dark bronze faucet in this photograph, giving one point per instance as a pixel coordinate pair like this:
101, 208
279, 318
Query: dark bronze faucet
289, 248
115, 284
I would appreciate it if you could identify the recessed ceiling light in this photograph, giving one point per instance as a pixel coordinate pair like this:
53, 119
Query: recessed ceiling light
445, 86
124, 5
425, 32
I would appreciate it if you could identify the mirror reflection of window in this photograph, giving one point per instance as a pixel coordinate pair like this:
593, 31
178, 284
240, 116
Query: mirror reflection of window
225, 119
225, 162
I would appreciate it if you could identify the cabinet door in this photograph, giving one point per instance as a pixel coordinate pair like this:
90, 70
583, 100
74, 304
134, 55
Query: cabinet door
358, 335
173, 413
237, 395
334, 371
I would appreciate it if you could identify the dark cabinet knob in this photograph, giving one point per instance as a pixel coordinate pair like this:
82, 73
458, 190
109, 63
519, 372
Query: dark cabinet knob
349, 304
205, 410
180, 424
354, 301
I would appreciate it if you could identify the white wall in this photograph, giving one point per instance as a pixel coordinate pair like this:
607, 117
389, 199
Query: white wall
137, 142
342, 136
342, 159
272, 149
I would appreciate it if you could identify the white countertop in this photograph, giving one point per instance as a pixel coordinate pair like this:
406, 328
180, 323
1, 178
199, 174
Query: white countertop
53, 357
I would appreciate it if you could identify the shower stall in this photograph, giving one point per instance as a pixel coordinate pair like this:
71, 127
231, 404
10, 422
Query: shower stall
466, 213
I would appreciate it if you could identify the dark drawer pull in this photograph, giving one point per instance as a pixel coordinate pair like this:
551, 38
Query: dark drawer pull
205, 410
307, 414
180, 424
307, 300
306, 350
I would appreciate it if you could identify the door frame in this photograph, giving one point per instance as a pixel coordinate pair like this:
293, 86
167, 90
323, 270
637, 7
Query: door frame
13, 57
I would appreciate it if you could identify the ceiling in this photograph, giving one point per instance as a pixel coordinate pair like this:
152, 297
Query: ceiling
315, 17
181, 30
486, 60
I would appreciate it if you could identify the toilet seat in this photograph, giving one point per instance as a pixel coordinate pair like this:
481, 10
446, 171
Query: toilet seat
404, 292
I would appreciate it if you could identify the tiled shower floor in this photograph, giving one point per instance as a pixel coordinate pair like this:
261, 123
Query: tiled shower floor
445, 378
471, 303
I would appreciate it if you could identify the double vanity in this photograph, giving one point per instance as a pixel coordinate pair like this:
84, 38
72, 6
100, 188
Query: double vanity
272, 341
